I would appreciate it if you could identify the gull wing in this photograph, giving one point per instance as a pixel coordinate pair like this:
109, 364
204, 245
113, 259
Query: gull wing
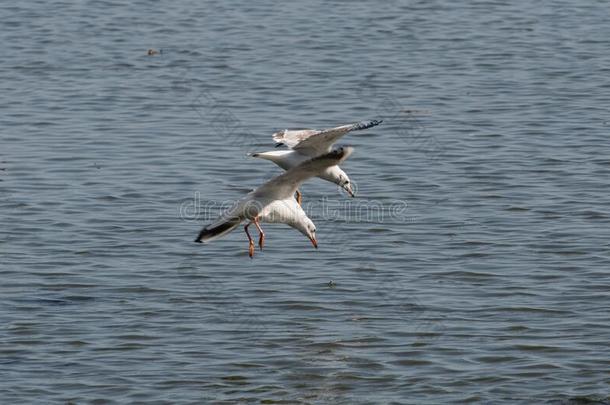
286, 184
316, 142
228, 221
292, 137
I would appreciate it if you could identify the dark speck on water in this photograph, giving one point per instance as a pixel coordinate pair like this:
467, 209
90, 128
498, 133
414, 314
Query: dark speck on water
472, 266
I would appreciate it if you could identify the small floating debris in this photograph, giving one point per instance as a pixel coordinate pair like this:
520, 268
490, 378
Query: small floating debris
153, 52
332, 284
416, 112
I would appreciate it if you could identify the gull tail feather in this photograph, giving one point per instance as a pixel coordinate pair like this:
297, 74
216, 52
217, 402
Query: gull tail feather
217, 230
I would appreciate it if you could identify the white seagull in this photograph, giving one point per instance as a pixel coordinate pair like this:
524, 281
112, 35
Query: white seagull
307, 143
274, 202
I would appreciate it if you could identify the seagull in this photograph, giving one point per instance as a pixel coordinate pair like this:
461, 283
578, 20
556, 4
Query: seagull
307, 143
274, 202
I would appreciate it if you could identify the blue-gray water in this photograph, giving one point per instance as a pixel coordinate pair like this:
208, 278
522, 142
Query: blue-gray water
478, 273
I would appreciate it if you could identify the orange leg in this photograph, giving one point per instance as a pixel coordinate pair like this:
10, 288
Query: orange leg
299, 197
250, 241
261, 239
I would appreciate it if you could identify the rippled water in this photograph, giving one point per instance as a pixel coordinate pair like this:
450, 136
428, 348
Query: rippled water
472, 267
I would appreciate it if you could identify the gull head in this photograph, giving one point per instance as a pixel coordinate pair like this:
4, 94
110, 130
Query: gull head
343, 152
347, 186
307, 228
343, 181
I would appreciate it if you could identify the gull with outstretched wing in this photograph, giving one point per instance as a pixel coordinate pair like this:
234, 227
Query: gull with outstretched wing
307, 143
274, 202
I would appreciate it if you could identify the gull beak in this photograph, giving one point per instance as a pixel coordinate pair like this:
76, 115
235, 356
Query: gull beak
314, 242
348, 187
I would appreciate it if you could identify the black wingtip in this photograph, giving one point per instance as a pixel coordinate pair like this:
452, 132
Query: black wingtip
200, 236
367, 124
277, 145
208, 233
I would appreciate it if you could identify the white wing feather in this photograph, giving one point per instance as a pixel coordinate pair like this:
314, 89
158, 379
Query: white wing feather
316, 142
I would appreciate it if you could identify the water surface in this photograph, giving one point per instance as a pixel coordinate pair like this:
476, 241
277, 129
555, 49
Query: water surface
471, 268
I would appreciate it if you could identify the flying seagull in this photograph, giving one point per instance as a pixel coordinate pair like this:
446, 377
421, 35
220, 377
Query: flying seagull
274, 202
307, 143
